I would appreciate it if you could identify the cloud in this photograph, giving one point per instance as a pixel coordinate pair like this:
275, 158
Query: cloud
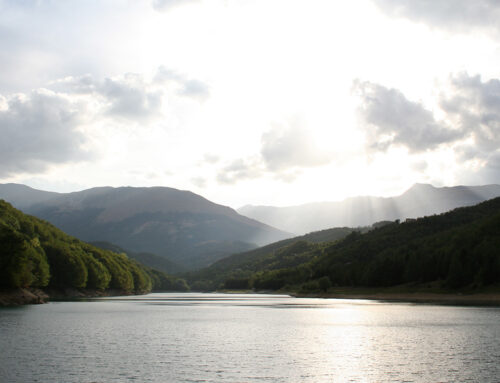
199, 182
289, 147
186, 87
474, 106
285, 151
131, 97
455, 15
210, 158
390, 119
128, 96
45, 127
38, 130
468, 104
166, 5
84, 84
240, 170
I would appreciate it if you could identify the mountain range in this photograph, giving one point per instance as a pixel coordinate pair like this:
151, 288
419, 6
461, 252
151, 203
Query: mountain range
190, 232
419, 201
183, 226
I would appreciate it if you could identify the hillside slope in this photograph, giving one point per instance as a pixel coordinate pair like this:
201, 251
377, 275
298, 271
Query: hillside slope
181, 225
458, 249
234, 271
34, 253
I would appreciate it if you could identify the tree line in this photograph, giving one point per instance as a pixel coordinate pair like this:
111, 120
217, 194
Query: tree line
34, 253
454, 250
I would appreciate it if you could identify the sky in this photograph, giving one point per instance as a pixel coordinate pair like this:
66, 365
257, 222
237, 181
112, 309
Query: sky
275, 102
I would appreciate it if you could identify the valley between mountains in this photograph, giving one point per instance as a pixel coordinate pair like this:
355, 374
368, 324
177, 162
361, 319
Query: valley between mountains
432, 239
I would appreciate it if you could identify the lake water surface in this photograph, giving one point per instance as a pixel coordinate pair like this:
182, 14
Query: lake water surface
247, 338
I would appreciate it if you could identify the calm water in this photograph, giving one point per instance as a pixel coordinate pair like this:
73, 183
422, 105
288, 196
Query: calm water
247, 338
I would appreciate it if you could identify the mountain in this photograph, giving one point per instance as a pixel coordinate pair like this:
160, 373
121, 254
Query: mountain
420, 200
22, 196
34, 253
148, 259
187, 228
454, 250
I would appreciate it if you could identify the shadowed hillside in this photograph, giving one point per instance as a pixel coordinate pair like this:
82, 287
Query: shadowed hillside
458, 249
34, 253
187, 228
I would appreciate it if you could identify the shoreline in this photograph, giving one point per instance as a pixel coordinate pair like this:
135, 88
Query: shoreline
442, 298
27, 296
459, 298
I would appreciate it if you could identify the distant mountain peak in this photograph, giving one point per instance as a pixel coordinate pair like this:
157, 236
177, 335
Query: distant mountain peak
422, 186
420, 200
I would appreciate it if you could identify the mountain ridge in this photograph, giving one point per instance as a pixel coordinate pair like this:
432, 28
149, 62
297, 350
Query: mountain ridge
160, 220
418, 201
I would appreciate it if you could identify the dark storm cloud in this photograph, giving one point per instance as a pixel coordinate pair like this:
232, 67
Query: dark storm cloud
455, 15
390, 119
38, 130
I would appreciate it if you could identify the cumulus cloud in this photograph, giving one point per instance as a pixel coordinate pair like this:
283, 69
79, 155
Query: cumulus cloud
290, 146
474, 106
210, 158
455, 15
38, 130
199, 182
285, 151
166, 5
390, 119
240, 170
470, 125
186, 86
131, 97
84, 84
44, 127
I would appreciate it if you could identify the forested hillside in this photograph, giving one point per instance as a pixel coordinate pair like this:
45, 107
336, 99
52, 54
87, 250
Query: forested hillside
234, 272
33, 253
458, 249
184, 227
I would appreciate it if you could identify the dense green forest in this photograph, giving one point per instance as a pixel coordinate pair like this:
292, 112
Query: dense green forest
458, 249
33, 253
235, 272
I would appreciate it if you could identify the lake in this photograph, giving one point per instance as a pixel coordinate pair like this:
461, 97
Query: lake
194, 337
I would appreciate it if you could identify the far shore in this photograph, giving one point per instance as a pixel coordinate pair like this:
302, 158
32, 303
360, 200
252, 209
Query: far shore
460, 298
445, 298
27, 296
